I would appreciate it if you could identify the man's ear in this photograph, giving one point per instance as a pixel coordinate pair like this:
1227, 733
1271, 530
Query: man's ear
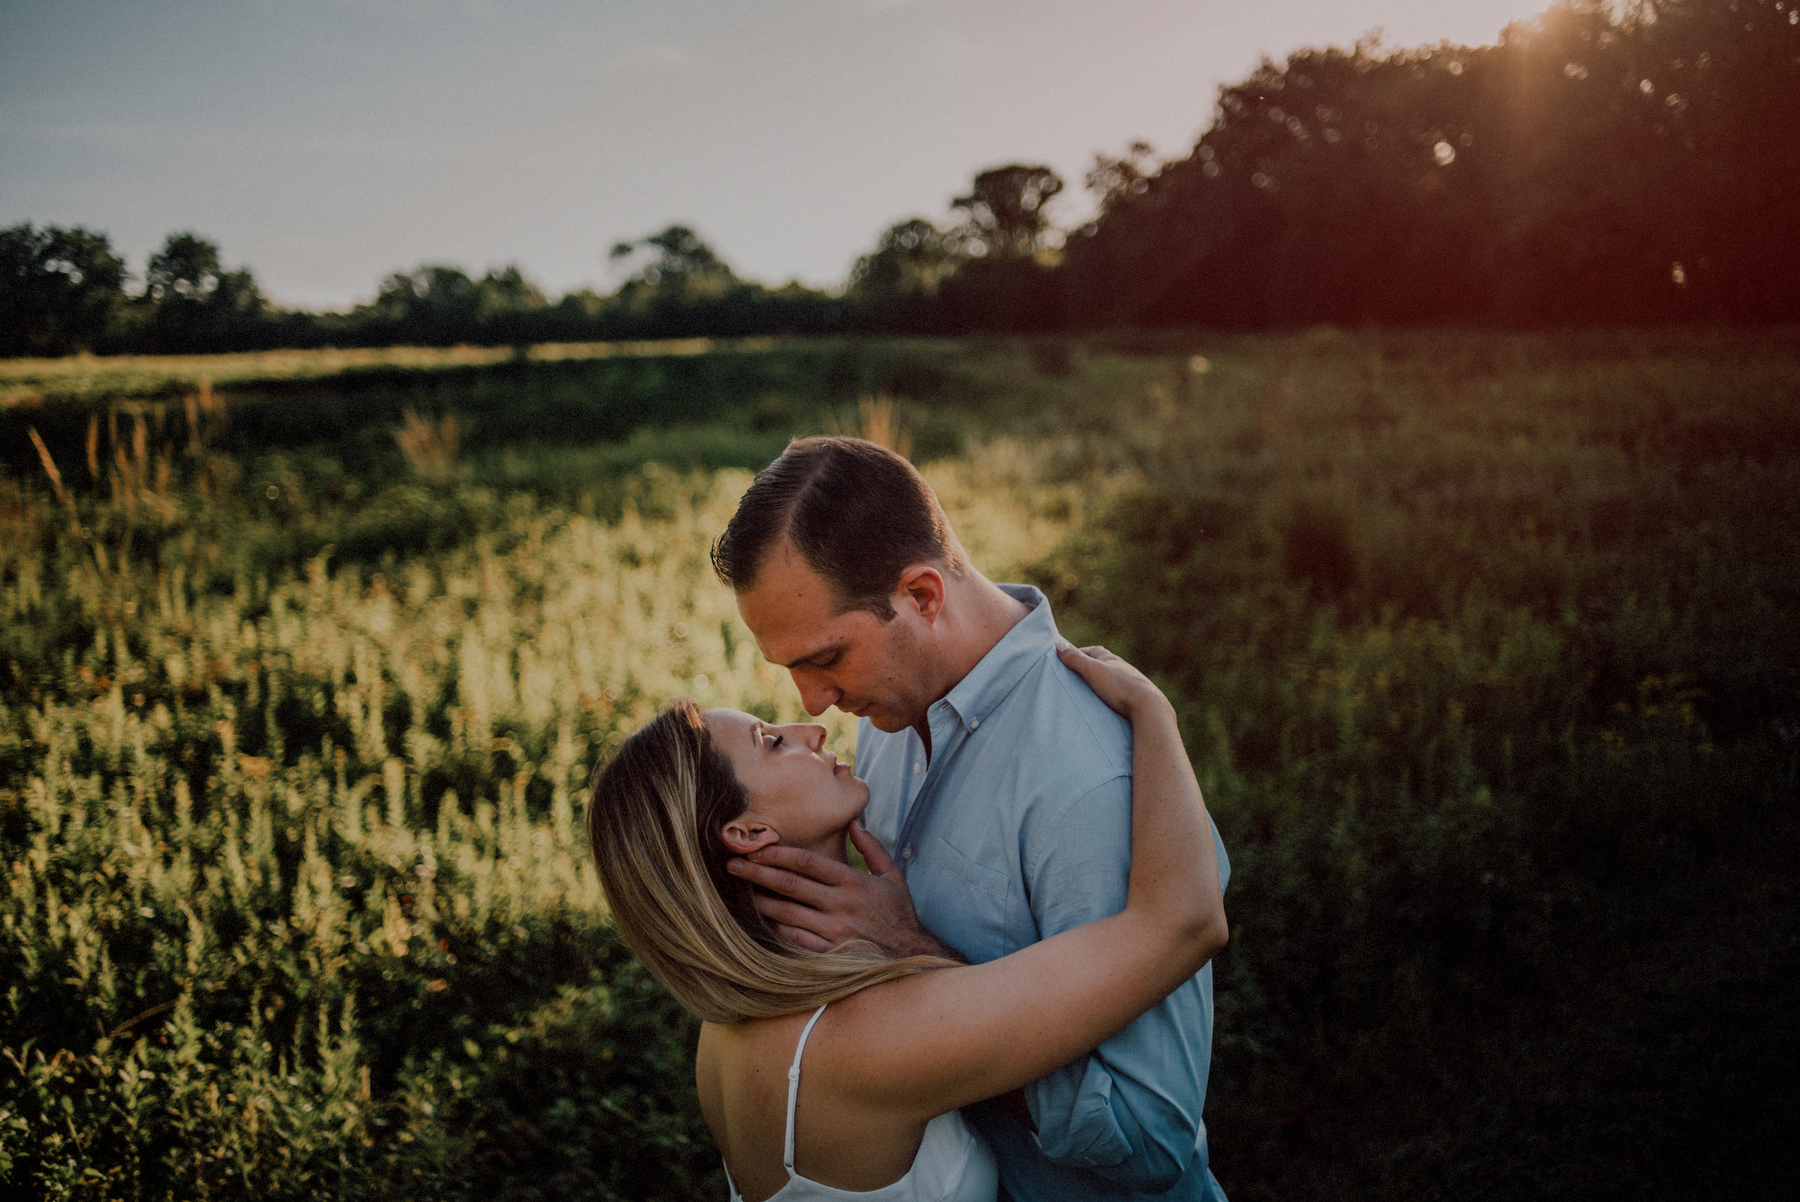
922, 587
745, 834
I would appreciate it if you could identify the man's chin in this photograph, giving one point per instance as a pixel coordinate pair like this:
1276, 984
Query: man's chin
887, 724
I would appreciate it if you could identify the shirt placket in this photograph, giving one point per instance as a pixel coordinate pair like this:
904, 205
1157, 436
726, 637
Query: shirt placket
923, 779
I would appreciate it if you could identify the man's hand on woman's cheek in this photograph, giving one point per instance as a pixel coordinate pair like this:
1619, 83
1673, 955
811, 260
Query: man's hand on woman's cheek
823, 904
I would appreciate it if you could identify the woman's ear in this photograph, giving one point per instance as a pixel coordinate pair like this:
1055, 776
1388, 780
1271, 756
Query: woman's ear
746, 833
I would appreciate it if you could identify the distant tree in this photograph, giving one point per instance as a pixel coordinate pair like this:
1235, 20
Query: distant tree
195, 304
432, 305
1113, 180
911, 259
507, 291
896, 286
59, 289
430, 292
1006, 212
1005, 248
682, 287
680, 260
187, 266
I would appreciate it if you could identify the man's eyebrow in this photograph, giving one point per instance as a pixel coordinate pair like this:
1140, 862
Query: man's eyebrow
812, 655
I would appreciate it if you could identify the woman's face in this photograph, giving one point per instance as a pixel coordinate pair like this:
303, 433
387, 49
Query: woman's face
800, 796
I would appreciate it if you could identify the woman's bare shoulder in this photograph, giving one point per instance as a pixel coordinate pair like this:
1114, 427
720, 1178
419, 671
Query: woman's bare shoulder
873, 1033
735, 1046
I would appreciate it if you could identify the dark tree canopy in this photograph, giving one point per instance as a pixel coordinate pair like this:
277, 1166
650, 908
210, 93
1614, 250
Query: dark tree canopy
1603, 164
59, 289
1590, 168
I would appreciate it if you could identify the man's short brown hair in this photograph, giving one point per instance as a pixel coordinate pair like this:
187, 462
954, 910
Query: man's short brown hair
858, 514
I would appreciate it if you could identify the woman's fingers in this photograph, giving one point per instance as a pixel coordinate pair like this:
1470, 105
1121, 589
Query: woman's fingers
1082, 658
1116, 682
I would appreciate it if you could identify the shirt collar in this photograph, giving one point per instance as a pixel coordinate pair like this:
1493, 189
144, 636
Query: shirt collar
989, 682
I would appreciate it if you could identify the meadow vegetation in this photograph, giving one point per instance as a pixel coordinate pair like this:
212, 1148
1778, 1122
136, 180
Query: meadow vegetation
1483, 646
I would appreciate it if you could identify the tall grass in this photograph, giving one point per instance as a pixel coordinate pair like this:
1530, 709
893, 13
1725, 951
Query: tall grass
1481, 645
1488, 661
297, 901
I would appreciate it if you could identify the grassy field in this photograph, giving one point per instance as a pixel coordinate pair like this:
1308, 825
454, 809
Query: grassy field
115, 378
1484, 646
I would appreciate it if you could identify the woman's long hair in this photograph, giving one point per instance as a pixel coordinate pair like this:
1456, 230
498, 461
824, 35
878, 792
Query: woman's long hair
655, 819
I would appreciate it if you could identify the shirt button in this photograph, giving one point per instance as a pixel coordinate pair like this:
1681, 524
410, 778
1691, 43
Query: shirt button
916, 768
906, 852
975, 725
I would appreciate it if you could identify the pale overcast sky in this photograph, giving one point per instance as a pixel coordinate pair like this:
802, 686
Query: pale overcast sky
326, 143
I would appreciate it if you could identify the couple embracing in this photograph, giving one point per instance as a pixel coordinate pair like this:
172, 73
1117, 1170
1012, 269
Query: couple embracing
1016, 1002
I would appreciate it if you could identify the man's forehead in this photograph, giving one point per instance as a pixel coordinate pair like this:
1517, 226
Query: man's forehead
786, 592
784, 567
787, 639
794, 614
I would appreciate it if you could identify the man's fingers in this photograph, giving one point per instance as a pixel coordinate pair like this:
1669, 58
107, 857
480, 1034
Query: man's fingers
880, 863
805, 863
802, 938
780, 880
787, 913
800, 925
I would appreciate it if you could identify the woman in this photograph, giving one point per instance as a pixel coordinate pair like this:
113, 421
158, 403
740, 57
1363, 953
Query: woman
905, 1043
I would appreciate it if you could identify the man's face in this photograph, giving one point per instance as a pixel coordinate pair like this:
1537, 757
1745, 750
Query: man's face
854, 661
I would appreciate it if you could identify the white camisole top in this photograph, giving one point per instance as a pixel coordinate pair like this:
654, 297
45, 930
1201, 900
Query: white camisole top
952, 1164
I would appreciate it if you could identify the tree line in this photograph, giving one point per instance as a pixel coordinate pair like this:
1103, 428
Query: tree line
1605, 164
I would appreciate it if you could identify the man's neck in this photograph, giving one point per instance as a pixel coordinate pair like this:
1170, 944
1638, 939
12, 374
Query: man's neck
983, 613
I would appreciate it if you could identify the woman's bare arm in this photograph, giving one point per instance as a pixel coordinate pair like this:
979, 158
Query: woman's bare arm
927, 1044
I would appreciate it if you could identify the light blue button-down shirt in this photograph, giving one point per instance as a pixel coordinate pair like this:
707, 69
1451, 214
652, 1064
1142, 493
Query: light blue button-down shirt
1019, 827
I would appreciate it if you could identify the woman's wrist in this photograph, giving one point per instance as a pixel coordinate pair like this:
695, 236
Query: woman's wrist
1149, 705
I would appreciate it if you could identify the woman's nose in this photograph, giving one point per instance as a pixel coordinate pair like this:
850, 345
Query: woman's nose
811, 733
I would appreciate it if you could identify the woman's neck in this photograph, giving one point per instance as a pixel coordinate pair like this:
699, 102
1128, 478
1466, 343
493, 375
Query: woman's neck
831, 847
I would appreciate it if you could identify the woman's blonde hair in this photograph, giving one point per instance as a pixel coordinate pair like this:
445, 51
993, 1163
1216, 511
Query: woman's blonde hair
655, 819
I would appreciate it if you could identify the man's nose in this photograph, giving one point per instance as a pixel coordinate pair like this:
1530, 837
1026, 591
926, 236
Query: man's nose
817, 698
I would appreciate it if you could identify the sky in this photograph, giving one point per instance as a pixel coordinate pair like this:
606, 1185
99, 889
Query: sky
327, 143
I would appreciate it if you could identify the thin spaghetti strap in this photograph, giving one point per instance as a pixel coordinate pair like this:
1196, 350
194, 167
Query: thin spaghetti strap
787, 1147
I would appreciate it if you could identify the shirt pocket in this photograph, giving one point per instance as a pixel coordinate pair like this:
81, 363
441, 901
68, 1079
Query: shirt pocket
963, 903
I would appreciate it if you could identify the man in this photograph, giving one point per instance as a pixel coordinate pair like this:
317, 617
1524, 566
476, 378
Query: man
999, 782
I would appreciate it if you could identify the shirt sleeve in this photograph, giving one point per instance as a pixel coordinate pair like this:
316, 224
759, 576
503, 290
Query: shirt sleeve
1129, 1110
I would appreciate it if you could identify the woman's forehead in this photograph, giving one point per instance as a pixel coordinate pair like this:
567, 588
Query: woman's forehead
723, 723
